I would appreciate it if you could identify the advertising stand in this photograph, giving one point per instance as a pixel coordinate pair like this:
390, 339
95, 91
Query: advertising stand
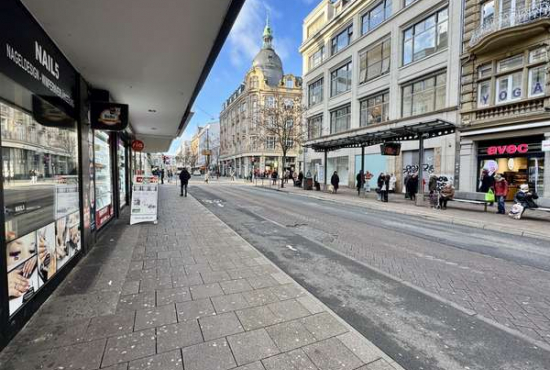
144, 200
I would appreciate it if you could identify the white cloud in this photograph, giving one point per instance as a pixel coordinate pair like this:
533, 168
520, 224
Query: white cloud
245, 38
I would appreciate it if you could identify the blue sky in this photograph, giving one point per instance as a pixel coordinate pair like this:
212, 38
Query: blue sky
243, 43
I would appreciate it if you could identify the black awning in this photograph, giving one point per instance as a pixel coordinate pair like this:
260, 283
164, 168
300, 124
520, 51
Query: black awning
427, 130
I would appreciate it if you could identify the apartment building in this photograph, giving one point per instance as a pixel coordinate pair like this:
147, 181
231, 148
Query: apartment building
243, 145
374, 66
504, 92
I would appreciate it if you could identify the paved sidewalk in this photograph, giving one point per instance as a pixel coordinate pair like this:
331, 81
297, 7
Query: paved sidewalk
188, 293
534, 224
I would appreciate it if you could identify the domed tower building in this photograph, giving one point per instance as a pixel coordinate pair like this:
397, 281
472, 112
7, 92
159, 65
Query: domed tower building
243, 147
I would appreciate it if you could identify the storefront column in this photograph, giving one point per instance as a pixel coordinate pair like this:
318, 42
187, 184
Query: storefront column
546, 193
325, 163
468, 167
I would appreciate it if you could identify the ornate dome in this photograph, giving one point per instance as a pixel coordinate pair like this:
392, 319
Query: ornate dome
267, 59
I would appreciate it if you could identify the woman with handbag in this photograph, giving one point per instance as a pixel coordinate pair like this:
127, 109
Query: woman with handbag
524, 200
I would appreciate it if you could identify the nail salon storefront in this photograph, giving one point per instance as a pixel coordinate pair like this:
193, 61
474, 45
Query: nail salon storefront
52, 165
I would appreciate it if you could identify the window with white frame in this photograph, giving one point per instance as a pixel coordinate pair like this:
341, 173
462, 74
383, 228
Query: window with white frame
487, 13
375, 16
270, 142
315, 92
341, 40
289, 143
254, 82
425, 95
315, 127
317, 58
289, 83
340, 119
375, 109
426, 37
375, 61
270, 101
340, 79
504, 81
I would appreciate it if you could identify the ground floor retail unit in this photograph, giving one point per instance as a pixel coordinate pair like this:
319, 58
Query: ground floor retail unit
63, 181
259, 165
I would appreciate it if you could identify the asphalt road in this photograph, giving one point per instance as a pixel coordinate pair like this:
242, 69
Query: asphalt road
383, 273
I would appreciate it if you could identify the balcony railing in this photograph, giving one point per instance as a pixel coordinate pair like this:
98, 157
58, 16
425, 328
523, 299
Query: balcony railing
537, 11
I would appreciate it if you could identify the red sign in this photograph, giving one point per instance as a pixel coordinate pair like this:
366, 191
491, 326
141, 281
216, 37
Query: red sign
138, 145
508, 149
103, 215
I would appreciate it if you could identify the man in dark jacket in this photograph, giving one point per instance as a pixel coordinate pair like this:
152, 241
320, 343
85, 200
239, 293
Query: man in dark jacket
360, 181
525, 197
335, 181
184, 179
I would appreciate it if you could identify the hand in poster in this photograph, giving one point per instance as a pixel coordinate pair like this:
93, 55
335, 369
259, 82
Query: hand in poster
42, 250
28, 267
61, 247
17, 284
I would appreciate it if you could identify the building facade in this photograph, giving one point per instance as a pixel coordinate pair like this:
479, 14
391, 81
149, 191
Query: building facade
243, 146
504, 93
209, 146
379, 64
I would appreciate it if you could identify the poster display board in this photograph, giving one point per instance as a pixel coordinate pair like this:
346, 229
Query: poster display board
144, 199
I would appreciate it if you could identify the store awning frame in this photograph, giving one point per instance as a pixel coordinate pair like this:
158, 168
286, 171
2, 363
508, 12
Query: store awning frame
425, 130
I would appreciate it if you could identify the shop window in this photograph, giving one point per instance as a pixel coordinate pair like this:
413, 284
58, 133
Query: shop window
375, 61
103, 179
424, 96
537, 81
375, 109
426, 37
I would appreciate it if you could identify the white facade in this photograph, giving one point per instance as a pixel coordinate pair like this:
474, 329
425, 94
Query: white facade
327, 21
209, 142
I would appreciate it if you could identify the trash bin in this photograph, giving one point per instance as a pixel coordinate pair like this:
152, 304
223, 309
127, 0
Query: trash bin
308, 185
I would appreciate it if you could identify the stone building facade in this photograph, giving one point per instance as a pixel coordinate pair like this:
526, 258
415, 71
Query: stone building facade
243, 145
504, 93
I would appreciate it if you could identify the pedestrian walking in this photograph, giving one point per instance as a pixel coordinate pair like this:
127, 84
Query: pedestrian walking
501, 192
411, 186
232, 174
379, 183
384, 187
335, 181
206, 176
447, 193
162, 176
274, 176
184, 180
360, 181
487, 181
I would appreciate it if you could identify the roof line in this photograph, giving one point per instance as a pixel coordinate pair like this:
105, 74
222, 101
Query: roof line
230, 18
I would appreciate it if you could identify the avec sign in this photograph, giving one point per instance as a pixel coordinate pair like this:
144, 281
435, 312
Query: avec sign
508, 149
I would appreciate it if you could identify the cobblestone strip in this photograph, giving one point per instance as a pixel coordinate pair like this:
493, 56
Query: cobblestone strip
186, 293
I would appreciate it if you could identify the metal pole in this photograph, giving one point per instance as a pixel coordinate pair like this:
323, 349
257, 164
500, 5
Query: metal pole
326, 169
420, 198
362, 180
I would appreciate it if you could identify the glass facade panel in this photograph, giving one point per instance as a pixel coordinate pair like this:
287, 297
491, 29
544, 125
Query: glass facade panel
103, 180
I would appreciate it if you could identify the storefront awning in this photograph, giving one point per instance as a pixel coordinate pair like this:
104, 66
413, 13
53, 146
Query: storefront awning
396, 133
153, 56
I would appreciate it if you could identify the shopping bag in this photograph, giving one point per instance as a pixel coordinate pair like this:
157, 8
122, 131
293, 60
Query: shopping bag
516, 212
490, 196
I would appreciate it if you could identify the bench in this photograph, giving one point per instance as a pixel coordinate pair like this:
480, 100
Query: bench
544, 205
471, 198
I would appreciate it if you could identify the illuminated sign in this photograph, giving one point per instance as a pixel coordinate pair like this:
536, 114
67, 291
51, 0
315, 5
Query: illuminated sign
508, 149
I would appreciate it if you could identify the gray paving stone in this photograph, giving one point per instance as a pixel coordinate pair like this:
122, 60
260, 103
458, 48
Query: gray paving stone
324, 326
206, 291
288, 310
174, 295
110, 325
290, 335
288, 291
360, 347
129, 347
282, 278
236, 286
257, 317
228, 303
331, 354
180, 335
222, 266
165, 361
193, 310
311, 304
254, 366
180, 281
32, 362
295, 360
214, 276
218, 326
214, 355
260, 297
136, 302
197, 268
130, 287
378, 365
117, 367
155, 317
252, 346
83, 356
260, 282
150, 284
241, 273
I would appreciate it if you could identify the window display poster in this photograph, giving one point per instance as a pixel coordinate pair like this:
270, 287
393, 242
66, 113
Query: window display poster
66, 196
144, 200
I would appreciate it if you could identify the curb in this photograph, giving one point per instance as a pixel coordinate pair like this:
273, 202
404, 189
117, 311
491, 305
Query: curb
449, 220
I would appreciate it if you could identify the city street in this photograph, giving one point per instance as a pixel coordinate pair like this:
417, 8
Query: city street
429, 295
